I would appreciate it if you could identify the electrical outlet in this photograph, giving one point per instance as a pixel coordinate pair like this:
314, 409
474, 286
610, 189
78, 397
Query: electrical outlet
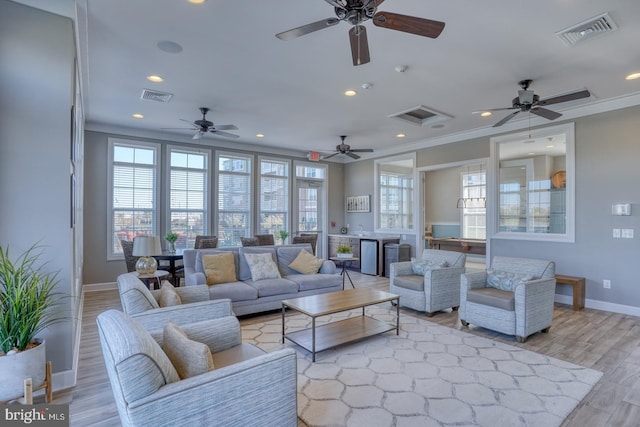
616, 233
606, 283
627, 233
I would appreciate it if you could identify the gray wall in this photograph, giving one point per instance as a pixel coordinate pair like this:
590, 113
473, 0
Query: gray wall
36, 63
607, 172
441, 196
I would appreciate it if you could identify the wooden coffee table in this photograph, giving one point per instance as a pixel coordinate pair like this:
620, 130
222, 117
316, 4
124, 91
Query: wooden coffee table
324, 337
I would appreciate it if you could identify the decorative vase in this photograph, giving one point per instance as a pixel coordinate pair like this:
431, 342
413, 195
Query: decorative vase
15, 368
172, 247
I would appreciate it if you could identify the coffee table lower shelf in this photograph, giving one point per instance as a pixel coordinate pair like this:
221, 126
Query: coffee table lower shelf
337, 333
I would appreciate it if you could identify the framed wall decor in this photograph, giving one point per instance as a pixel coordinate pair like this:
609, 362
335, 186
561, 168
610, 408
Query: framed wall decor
358, 204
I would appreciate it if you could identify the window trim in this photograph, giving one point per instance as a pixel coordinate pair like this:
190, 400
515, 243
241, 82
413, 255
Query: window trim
259, 192
157, 148
376, 198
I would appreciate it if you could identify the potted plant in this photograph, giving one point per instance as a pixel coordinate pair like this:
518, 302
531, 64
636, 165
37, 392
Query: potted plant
344, 251
28, 303
283, 235
171, 238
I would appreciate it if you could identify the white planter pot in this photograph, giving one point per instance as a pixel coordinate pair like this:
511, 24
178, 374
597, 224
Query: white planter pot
16, 368
345, 255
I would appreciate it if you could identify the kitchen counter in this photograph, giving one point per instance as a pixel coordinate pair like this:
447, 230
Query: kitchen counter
353, 240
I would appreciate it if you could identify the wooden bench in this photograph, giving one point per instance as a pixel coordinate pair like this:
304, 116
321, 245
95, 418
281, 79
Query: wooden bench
578, 284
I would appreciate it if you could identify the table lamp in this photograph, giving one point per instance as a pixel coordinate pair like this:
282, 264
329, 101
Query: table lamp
145, 247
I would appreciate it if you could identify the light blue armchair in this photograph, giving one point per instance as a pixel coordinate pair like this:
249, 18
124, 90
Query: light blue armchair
247, 386
514, 297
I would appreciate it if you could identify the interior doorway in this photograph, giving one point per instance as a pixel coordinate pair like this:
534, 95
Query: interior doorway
309, 215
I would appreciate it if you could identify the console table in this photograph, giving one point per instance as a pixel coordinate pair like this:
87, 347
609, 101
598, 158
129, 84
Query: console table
578, 284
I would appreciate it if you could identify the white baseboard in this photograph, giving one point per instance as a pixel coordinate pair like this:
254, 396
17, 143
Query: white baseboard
108, 286
601, 305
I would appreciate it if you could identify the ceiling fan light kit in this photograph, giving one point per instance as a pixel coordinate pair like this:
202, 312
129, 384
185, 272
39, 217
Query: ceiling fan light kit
204, 126
346, 149
356, 12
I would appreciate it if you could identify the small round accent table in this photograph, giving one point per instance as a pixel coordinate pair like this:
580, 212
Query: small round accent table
152, 279
342, 262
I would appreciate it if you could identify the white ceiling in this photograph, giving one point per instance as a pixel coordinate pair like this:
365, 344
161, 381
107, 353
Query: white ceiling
292, 91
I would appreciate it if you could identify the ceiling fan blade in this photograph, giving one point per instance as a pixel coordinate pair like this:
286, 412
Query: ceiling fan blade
335, 3
187, 121
353, 156
193, 128
362, 150
494, 109
564, 98
225, 134
329, 156
543, 112
409, 24
506, 119
359, 44
225, 127
306, 29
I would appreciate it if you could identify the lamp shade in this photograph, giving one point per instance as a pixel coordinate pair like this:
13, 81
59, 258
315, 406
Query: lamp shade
146, 246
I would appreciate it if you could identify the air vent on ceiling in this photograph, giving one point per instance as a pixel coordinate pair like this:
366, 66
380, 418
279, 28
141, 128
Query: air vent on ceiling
154, 95
588, 29
421, 116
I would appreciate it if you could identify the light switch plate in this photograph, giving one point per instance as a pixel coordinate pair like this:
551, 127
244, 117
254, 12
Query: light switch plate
616, 233
627, 233
621, 209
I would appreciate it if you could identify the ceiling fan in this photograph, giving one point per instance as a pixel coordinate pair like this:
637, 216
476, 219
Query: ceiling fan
527, 101
203, 126
356, 12
343, 148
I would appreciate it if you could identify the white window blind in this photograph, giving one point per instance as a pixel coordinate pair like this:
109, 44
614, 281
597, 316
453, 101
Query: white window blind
474, 211
133, 191
234, 198
274, 196
188, 195
396, 200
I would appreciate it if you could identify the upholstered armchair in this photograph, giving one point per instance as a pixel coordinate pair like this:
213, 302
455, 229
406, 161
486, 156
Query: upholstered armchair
191, 305
430, 284
157, 384
514, 297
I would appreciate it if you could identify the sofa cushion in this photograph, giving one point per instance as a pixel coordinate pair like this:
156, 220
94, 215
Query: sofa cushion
190, 358
168, 295
506, 280
244, 272
269, 287
413, 282
306, 263
235, 291
219, 268
262, 267
421, 267
492, 297
309, 282
134, 295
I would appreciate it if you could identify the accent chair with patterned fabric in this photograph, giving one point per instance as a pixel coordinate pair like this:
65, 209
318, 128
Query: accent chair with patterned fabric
206, 242
430, 284
201, 375
265, 239
312, 240
514, 297
249, 241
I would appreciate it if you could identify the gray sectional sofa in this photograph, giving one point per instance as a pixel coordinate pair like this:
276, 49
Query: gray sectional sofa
248, 296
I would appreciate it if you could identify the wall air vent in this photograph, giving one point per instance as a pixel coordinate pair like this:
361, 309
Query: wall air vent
588, 29
154, 95
420, 116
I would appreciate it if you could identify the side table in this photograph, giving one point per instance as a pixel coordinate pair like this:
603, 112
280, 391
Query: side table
150, 279
342, 262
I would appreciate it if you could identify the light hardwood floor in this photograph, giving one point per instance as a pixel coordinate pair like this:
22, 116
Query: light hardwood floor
601, 340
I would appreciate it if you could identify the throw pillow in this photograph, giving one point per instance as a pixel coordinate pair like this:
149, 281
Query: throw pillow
306, 263
262, 266
505, 280
420, 267
189, 357
168, 295
219, 268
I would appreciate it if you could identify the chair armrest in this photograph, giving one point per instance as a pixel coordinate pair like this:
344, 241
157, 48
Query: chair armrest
534, 301
154, 320
402, 268
193, 277
444, 276
193, 293
218, 334
477, 279
328, 267
258, 391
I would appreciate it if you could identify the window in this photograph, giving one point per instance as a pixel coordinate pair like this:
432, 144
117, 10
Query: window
394, 188
274, 196
188, 195
234, 198
133, 192
474, 196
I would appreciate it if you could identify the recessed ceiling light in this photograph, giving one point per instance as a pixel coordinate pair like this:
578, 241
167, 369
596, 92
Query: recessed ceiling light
485, 114
169, 47
550, 146
400, 135
350, 92
196, 1
155, 79
633, 76
137, 116
260, 135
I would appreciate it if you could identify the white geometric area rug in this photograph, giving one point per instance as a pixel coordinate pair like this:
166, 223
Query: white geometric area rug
429, 375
